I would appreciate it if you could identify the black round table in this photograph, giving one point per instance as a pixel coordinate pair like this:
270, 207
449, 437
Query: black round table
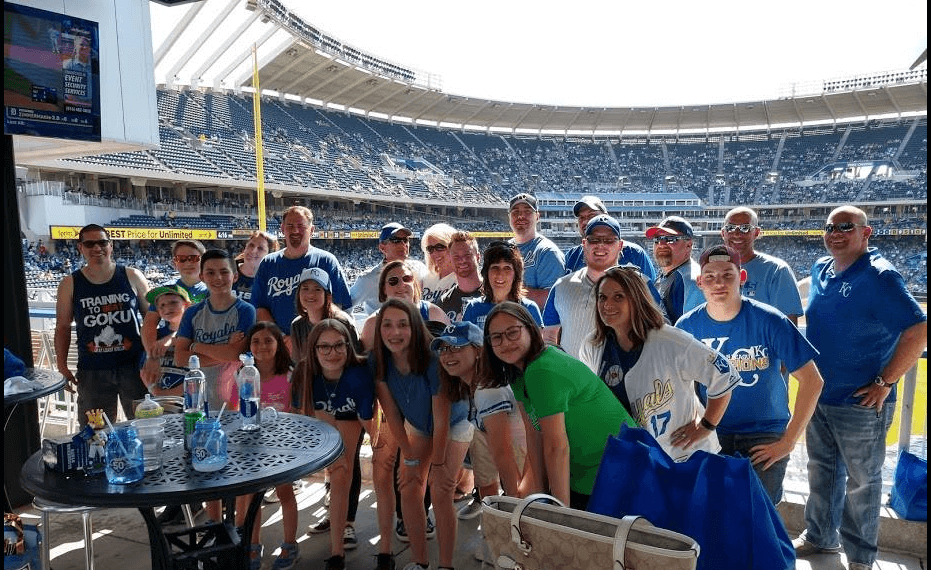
51, 382
282, 451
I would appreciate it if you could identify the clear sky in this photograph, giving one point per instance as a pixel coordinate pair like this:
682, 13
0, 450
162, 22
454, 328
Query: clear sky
629, 53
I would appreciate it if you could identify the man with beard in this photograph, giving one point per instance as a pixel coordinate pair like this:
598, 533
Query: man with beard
463, 249
278, 275
676, 283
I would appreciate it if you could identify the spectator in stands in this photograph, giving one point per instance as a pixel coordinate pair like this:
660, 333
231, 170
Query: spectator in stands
758, 341
279, 272
463, 249
584, 210
869, 331
770, 280
440, 276
161, 375
543, 261
259, 245
185, 258
394, 245
109, 346
676, 284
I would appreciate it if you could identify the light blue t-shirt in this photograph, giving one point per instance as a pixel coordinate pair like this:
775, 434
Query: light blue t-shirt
543, 262
756, 342
854, 320
770, 280
477, 309
413, 394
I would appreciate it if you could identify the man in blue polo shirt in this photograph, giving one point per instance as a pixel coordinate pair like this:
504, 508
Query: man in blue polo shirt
869, 331
758, 340
678, 272
631, 254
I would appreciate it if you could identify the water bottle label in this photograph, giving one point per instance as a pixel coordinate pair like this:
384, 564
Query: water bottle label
248, 408
118, 464
200, 453
245, 391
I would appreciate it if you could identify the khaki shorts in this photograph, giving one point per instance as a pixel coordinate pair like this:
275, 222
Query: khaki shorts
483, 462
461, 431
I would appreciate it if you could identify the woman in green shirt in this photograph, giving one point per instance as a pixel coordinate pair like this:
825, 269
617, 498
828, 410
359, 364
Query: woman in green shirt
568, 411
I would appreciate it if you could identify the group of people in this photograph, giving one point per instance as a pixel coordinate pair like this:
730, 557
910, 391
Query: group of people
523, 359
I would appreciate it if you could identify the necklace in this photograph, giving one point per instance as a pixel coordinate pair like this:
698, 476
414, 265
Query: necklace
330, 393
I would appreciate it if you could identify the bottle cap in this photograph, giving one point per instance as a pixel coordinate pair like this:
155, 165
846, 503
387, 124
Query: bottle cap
247, 359
193, 361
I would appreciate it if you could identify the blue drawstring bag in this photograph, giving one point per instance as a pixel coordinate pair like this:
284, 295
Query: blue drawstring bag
909, 497
12, 364
716, 499
21, 544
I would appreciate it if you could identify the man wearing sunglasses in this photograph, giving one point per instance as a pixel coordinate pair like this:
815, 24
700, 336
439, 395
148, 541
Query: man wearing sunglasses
103, 299
676, 283
543, 260
770, 280
185, 258
463, 250
631, 254
869, 331
394, 245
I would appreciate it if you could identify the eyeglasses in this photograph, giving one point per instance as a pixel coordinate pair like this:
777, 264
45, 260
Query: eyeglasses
90, 243
670, 239
326, 349
743, 228
450, 349
437, 247
187, 258
394, 279
601, 241
397, 240
512, 333
841, 227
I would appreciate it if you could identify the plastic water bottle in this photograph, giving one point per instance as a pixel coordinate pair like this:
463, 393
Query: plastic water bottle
194, 382
148, 408
250, 392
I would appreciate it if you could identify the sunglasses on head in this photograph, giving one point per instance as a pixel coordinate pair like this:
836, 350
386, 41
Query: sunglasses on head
669, 239
187, 258
394, 279
743, 228
437, 247
841, 227
499, 243
90, 243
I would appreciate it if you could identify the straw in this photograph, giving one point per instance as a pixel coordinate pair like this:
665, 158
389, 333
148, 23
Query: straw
113, 431
220, 413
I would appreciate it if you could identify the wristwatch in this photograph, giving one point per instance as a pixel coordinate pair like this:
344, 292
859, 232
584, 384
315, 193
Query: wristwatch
880, 382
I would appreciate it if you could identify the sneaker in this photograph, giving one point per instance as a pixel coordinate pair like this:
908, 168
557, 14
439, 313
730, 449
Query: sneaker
431, 530
859, 566
255, 556
416, 566
470, 510
270, 496
336, 562
288, 557
321, 527
401, 532
804, 548
385, 561
349, 538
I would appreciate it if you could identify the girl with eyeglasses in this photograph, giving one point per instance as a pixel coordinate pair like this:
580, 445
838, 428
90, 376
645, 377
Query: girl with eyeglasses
431, 431
266, 342
333, 383
638, 356
440, 276
398, 280
502, 280
568, 411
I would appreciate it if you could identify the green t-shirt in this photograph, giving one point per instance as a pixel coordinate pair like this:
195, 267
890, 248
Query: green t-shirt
555, 382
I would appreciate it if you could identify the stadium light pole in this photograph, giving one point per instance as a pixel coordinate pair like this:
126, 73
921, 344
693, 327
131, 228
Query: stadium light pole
259, 154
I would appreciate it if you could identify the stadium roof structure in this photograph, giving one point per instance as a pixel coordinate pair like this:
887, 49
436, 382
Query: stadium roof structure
209, 45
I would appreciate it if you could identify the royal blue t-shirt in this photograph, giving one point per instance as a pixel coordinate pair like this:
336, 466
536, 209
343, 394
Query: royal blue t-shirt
353, 396
757, 342
413, 394
631, 254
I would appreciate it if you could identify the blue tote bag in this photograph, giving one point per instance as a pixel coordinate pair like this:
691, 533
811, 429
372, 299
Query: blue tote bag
909, 497
715, 499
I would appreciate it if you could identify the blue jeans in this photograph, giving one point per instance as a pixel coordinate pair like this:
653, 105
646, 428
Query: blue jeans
846, 449
739, 444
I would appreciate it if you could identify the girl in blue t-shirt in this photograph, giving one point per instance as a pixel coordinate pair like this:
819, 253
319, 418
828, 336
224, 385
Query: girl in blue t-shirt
431, 431
333, 383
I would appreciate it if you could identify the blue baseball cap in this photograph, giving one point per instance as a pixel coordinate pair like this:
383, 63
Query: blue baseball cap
603, 220
458, 334
317, 275
394, 229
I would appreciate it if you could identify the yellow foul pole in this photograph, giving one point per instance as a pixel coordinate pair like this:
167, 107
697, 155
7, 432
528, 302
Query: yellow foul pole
259, 155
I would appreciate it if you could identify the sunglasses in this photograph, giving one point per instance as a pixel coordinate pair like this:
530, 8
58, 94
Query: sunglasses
511, 333
601, 241
743, 228
845, 227
669, 239
187, 258
506, 244
397, 240
450, 349
394, 279
437, 247
326, 349
90, 243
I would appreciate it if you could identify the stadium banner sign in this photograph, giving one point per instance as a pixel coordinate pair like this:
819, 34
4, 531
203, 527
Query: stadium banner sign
774, 233
900, 232
820, 233
170, 234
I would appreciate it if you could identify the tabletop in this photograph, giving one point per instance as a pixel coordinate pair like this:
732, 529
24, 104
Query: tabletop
51, 381
283, 450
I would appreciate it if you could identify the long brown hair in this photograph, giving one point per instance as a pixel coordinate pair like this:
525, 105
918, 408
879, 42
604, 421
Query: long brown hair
302, 381
282, 357
645, 316
418, 353
453, 386
502, 251
496, 372
388, 268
